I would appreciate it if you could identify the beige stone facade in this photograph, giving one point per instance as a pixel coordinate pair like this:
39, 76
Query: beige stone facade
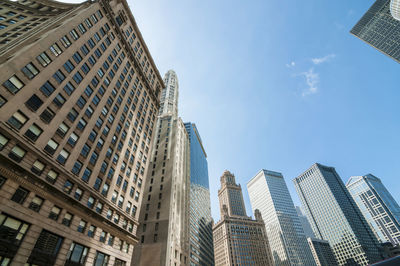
238, 239
78, 102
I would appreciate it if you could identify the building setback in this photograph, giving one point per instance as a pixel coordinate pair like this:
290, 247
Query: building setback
164, 216
380, 29
322, 252
201, 238
238, 240
320, 189
378, 207
304, 223
78, 98
268, 193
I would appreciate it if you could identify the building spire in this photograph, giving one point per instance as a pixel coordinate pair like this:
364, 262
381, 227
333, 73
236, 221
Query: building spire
170, 94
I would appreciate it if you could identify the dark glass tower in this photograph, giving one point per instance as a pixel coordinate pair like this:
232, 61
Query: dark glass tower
201, 240
379, 29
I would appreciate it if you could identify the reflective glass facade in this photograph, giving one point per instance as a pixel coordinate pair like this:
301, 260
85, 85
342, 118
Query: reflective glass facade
378, 207
268, 193
335, 217
379, 29
201, 240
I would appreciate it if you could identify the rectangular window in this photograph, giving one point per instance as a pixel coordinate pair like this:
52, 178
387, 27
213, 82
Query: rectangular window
81, 28
67, 219
81, 226
44, 59
62, 129
47, 115
55, 49
81, 102
38, 167
69, 88
81, 124
63, 156
17, 153
20, 195
91, 231
34, 103
59, 100
85, 68
76, 255
78, 194
59, 76
46, 249
69, 66
77, 57
47, 89
74, 34
84, 49
51, 146
77, 77
36, 204
86, 175
52, 176
13, 84
18, 120
73, 138
72, 115
65, 41
30, 71
55, 213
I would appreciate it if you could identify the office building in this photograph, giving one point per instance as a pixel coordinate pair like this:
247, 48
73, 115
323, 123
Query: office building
201, 238
238, 239
164, 216
378, 207
380, 28
269, 194
335, 217
322, 252
395, 9
78, 98
304, 223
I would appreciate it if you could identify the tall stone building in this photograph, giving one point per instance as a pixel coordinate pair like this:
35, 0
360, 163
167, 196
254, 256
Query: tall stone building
78, 102
378, 207
201, 238
238, 239
268, 193
335, 217
380, 28
164, 216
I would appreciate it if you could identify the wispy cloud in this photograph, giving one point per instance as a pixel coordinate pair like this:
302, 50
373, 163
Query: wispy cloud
312, 81
320, 60
292, 64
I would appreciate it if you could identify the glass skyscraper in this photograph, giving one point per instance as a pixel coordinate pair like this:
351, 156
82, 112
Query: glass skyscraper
201, 236
380, 29
269, 194
377, 205
335, 217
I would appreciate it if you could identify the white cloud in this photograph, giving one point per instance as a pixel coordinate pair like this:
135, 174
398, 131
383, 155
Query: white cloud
292, 64
324, 59
312, 80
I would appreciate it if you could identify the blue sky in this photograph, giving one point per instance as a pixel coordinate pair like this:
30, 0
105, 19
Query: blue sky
279, 85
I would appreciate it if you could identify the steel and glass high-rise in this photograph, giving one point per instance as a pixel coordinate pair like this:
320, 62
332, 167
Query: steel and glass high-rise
269, 194
379, 28
201, 249
335, 217
78, 99
378, 207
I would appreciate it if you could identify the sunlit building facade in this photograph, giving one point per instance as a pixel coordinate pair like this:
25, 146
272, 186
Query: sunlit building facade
201, 238
378, 207
335, 217
269, 194
238, 239
380, 28
78, 100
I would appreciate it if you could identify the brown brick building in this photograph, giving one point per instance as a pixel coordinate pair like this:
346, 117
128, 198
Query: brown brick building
78, 102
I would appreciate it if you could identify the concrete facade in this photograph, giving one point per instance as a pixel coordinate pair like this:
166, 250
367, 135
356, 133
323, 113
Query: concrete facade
78, 101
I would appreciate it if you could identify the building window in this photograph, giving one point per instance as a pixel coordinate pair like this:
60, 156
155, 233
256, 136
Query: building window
33, 132
111, 240
81, 124
20, 195
13, 84
101, 259
62, 130
46, 249
120, 201
59, 76
76, 168
52, 176
65, 41
36, 203
47, 115
47, 89
51, 147
63, 156
30, 71
69, 88
68, 186
86, 175
67, 219
17, 153
73, 138
12, 234
114, 196
91, 231
76, 255
109, 214
99, 207
78, 194
38, 167
85, 150
44, 59
81, 226
97, 184
55, 213
18, 120
55, 49
90, 202
103, 237
3, 141
119, 262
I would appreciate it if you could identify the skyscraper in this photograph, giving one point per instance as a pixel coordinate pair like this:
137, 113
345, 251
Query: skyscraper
304, 223
269, 194
380, 29
335, 217
78, 98
201, 238
238, 240
164, 217
322, 252
378, 207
